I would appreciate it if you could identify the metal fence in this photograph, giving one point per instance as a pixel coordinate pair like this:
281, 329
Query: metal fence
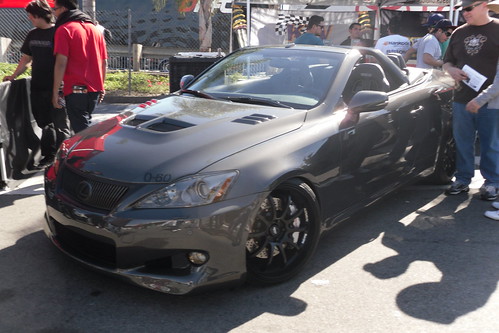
162, 34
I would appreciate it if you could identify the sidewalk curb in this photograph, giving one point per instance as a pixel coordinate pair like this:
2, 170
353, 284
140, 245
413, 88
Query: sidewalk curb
109, 99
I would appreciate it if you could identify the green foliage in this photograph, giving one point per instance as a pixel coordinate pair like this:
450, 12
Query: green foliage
8, 69
117, 82
141, 83
159, 4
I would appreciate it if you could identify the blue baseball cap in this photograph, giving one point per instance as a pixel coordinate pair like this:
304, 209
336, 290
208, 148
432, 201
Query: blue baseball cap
444, 25
433, 19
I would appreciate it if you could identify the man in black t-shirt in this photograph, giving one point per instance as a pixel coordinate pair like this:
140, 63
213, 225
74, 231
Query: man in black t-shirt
37, 50
473, 53
355, 37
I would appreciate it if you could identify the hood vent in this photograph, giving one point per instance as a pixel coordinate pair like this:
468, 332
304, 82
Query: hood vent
155, 123
254, 119
166, 125
137, 120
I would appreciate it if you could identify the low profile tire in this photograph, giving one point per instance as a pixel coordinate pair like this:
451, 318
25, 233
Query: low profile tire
284, 234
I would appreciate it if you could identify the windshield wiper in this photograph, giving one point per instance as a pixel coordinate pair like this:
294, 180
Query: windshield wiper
257, 100
196, 93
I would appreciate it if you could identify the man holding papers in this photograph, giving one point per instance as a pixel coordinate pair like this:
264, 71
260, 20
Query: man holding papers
471, 60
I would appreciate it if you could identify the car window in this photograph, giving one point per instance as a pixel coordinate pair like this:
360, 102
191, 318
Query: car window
297, 79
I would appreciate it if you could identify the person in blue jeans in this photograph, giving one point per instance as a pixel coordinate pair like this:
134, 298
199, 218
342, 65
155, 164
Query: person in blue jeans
490, 96
475, 45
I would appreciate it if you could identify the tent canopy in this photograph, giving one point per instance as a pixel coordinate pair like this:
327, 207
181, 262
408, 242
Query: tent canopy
327, 3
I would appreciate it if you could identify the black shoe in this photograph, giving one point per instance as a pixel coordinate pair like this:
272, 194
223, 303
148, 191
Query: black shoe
44, 162
456, 188
488, 193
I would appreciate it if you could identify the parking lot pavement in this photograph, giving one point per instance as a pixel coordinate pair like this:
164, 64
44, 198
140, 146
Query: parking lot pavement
417, 261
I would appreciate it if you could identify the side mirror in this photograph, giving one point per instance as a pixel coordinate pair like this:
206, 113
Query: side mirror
186, 80
368, 100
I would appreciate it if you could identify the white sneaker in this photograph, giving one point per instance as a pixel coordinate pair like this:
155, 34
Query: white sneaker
492, 214
495, 204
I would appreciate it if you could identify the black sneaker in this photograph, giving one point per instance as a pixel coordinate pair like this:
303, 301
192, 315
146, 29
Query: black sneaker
46, 161
456, 188
488, 193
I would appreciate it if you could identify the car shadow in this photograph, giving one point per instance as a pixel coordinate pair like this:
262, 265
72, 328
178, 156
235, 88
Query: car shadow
42, 286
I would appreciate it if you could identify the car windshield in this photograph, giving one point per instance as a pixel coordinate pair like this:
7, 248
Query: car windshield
281, 77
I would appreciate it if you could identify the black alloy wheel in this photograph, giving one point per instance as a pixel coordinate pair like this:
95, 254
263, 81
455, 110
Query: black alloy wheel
284, 234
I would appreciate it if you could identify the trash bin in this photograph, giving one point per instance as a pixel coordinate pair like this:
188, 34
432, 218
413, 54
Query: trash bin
194, 63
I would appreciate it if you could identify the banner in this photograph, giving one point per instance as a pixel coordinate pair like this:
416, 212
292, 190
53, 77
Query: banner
19, 3
269, 26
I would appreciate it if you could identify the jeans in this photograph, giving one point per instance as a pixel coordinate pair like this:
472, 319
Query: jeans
465, 127
80, 108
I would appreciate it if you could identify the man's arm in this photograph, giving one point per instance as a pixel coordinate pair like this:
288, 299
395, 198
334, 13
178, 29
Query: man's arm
409, 53
431, 61
456, 73
104, 70
22, 66
61, 61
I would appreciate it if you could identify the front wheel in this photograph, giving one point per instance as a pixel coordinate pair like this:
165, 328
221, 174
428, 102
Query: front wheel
284, 234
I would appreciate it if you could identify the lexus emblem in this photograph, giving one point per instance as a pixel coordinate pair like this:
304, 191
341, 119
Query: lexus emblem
84, 190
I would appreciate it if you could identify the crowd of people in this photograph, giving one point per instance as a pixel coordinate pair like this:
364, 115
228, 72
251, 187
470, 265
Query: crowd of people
67, 52
465, 51
68, 57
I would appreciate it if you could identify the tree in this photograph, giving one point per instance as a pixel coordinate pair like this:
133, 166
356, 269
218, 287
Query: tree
205, 23
159, 4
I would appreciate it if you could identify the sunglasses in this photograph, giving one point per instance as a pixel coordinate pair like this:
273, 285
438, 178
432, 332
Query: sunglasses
470, 8
448, 34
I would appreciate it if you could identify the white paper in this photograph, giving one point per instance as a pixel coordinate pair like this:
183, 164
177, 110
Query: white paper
475, 79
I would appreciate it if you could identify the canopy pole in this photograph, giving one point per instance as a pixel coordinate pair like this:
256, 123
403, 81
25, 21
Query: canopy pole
451, 11
377, 23
248, 21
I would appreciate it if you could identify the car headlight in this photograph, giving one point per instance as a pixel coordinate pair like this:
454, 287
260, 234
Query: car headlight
196, 190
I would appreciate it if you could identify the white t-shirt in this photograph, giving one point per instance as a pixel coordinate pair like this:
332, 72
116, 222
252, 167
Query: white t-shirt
393, 44
428, 44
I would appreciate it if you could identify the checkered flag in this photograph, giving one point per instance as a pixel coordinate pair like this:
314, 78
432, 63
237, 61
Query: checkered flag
284, 20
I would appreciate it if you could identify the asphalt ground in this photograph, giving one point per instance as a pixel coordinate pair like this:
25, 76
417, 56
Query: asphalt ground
416, 261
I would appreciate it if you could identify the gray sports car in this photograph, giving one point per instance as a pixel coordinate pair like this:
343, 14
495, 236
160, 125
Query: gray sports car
234, 177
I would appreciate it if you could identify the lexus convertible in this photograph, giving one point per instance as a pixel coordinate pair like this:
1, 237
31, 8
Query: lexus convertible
234, 177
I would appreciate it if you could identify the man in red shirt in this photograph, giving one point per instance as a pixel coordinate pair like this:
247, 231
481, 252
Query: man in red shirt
81, 61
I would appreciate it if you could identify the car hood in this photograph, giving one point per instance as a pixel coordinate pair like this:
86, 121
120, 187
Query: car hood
176, 136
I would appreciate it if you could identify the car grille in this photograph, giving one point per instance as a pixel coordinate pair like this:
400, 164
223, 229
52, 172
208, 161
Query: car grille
101, 252
92, 192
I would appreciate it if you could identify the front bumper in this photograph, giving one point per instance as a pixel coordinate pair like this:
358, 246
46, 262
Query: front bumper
149, 247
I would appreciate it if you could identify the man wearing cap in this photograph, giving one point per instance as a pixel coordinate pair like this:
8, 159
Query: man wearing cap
80, 61
429, 52
475, 45
430, 23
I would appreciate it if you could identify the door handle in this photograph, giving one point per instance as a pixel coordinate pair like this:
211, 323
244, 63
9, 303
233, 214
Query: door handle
417, 110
